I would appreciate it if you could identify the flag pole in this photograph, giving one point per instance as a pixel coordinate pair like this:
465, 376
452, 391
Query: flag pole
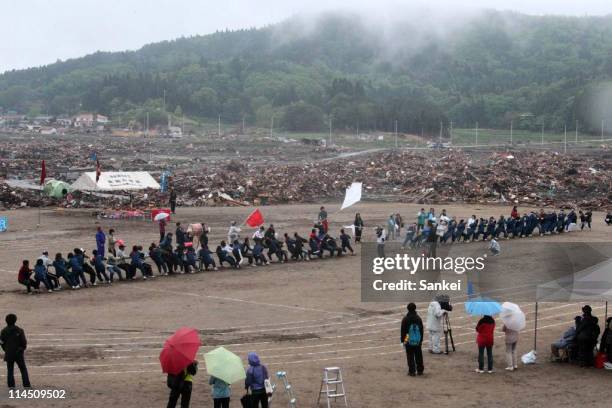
535, 330
39, 205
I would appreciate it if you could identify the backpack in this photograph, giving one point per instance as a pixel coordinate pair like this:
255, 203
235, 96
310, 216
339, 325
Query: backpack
414, 335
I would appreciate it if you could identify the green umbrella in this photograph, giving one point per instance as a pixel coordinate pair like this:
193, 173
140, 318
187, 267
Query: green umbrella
56, 188
224, 365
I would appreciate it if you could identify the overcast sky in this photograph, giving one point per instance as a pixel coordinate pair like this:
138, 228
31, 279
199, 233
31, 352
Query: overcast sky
37, 32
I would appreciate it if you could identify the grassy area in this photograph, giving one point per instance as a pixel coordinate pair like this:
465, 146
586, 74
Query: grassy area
496, 136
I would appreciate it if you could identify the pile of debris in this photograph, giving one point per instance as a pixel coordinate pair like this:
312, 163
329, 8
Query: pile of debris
522, 177
538, 179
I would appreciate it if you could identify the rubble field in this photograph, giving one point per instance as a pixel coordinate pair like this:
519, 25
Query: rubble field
255, 170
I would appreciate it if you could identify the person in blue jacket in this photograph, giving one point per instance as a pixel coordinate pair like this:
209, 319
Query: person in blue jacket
61, 270
77, 271
221, 392
100, 241
256, 375
98, 264
40, 275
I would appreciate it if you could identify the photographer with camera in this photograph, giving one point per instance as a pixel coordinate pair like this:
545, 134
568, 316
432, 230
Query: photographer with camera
436, 315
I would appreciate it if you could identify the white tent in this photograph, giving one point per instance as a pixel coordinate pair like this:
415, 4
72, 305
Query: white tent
115, 181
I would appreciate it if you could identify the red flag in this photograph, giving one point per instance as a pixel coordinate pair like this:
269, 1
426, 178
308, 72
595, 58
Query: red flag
43, 173
255, 219
98, 170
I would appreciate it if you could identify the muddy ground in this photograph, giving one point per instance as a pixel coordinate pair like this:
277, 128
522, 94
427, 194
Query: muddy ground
102, 344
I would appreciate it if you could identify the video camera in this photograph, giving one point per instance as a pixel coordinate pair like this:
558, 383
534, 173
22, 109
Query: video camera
444, 301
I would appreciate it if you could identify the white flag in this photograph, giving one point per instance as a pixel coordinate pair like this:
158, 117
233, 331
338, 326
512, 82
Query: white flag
353, 195
350, 228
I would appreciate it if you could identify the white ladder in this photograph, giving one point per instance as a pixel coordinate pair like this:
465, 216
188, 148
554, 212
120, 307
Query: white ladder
332, 386
282, 376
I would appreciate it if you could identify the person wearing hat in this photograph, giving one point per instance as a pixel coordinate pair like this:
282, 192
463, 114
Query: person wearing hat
411, 337
14, 343
587, 333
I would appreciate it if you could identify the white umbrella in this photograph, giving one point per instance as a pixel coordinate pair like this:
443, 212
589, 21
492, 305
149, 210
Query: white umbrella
512, 316
161, 216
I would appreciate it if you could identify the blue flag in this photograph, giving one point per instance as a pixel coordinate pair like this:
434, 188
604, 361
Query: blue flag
163, 182
3, 223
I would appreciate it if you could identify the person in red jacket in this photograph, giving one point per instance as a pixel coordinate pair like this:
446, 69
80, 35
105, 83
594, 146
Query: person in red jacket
24, 275
485, 329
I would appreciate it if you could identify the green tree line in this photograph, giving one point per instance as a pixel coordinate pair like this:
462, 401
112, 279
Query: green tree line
493, 69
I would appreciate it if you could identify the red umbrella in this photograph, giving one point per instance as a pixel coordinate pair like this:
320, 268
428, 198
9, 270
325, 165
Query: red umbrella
179, 350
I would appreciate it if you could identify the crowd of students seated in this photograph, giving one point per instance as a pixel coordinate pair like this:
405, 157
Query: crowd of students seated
579, 343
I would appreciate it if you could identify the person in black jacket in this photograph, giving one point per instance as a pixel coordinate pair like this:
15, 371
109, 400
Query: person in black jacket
181, 386
587, 333
172, 201
410, 324
14, 344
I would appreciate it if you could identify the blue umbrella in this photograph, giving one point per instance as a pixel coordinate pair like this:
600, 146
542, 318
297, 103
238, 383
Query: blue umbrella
482, 306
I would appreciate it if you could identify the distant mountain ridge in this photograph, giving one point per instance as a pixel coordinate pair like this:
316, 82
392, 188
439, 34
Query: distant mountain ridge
493, 68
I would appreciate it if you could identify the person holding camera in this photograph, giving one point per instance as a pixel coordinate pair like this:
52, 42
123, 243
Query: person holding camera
435, 314
412, 339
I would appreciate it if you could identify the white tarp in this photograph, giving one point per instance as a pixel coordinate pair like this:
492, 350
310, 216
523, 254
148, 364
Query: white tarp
353, 195
115, 181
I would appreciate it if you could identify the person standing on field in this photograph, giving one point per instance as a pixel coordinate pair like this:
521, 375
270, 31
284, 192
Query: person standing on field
435, 314
13, 342
511, 342
322, 218
412, 339
172, 201
358, 223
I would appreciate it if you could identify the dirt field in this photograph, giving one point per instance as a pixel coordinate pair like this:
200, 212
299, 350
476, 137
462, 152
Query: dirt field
102, 344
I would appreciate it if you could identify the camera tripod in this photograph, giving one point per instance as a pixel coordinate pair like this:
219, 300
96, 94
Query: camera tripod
448, 333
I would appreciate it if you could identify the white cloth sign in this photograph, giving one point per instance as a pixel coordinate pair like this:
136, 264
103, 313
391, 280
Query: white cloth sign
115, 181
353, 195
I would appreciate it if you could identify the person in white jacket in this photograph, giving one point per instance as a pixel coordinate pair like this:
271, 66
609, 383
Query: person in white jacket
434, 326
234, 233
381, 237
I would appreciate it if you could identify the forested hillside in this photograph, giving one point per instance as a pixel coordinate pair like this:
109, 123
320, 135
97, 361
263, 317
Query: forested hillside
492, 68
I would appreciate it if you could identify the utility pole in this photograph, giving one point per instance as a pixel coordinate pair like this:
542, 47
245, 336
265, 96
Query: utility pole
511, 135
147, 125
183, 125
396, 134
565, 140
450, 133
243, 125
602, 130
440, 137
330, 131
576, 137
271, 125
542, 140
147, 134
164, 100
476, 133
219, 126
